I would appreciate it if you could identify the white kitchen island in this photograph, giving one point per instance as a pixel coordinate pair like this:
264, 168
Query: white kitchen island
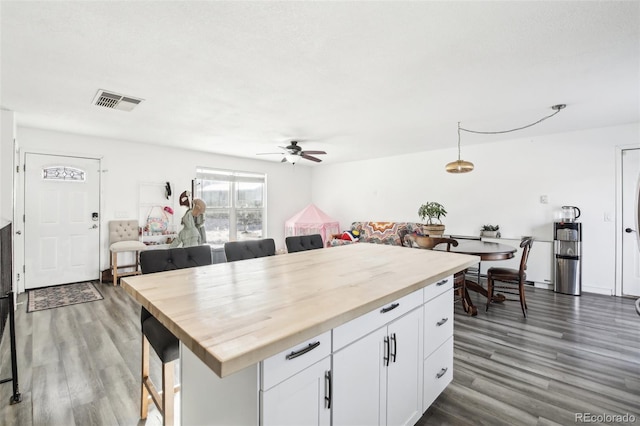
332, 336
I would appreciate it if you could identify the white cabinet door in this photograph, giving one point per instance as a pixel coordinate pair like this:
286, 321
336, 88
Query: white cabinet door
357, 381
378, 379
404, 384
300, 399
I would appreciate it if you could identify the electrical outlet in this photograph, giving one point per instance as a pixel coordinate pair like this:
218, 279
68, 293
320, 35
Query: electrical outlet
544, 199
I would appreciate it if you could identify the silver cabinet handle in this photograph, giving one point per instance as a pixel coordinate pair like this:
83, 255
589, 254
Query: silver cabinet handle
389, 308
296, 354
328, 389
443, 282
442, 373
442, 321
394, 342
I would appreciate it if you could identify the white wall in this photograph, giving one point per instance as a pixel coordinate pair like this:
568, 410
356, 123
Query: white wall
128, 164
6, 164
577, 168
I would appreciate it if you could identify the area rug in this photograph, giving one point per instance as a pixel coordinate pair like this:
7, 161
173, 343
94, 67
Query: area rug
58, 296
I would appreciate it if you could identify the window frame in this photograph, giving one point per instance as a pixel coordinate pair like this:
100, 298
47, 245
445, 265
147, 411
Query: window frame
233, 178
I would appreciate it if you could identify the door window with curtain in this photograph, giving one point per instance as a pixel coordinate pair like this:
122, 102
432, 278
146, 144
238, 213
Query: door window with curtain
236, 205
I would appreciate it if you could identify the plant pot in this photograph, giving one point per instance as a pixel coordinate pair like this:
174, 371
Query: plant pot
433, 230
490, 234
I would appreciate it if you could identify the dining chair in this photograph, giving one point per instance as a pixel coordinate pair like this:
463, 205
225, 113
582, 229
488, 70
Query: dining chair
511, 277
426, 242
638, 306
124, 237
303, 242
156, 335
250, 249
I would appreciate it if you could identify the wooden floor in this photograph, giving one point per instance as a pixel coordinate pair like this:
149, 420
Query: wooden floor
79, 365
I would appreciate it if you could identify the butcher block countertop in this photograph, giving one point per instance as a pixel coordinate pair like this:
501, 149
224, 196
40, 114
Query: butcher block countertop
233, 315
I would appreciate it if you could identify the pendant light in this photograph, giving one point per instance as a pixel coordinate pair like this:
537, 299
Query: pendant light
459, 166
462, 166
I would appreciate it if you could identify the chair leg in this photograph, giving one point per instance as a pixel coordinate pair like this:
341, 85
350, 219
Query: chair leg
114, 267
523, 304
167, 394
489, 291
144, 376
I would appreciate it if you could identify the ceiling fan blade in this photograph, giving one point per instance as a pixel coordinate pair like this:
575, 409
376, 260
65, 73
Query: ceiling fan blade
268, 153
284, 160
313, 152
308, 157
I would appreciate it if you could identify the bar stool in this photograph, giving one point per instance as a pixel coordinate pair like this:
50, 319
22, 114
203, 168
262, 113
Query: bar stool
157, 336
123, 237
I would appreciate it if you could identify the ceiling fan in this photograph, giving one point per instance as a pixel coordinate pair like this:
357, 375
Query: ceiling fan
293, 152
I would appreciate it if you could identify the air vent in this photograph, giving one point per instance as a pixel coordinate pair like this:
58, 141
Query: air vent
115, 101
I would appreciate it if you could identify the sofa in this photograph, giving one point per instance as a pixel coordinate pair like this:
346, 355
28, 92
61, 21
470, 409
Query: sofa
389, 233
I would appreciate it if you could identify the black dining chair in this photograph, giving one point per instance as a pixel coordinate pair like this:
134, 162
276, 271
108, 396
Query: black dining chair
511, 279
303, 243
156, 335
250, 249
638, 306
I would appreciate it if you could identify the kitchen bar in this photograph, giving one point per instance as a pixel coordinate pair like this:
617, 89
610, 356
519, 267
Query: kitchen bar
232, 316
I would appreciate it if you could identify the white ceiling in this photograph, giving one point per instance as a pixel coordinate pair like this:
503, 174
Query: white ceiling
356, 79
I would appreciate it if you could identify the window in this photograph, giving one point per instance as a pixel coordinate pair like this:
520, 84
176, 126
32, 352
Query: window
236, 207
64, 173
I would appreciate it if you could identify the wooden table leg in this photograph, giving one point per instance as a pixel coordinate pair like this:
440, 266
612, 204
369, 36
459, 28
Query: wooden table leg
473, 286
467, 304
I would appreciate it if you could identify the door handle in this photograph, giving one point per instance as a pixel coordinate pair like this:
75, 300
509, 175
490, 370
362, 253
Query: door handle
19, 232
394, 342
629, 230
328, 389
385, 358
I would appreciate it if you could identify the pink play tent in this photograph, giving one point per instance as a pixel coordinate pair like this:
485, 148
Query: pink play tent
311, 220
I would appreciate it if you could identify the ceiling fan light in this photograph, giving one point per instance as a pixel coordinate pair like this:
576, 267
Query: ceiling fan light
291, 158
459, 166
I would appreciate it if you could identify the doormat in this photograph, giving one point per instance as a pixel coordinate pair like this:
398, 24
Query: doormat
41, 299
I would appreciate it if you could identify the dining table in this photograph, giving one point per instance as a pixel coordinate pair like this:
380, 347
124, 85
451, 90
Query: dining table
487, 251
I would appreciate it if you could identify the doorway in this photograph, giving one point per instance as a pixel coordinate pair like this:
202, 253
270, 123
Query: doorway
630, 210
61, 222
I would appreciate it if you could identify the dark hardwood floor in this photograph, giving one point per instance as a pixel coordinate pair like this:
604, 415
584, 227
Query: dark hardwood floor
79, 365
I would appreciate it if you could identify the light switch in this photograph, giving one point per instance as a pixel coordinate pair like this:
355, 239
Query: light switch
607, 217
544, 199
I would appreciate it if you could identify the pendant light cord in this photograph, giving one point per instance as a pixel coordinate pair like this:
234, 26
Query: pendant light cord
459, 140
557, 109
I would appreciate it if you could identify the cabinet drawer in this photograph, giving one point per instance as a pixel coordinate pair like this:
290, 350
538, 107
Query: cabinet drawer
433, 290
365, 324
438, 373
438, 321
279, 367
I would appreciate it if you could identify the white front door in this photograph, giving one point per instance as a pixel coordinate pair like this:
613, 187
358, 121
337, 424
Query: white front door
630, 253
62, 232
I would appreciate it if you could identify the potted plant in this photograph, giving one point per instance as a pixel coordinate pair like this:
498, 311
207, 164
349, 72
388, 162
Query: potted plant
432, 212
490, 231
